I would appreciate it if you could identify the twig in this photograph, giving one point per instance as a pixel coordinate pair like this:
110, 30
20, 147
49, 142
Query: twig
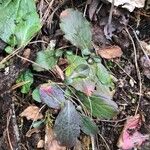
7, 130
93, 142
125, 72
85, 9
9, 56
108, 148
146, 55
114, 121
110, 14
28, 60
137, 69
14, 123
37, 115
107, 28
47, 11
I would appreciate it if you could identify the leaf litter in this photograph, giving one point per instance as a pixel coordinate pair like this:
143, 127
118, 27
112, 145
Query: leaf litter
32, 113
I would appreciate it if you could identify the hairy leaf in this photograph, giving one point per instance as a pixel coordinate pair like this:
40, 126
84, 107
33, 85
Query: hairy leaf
45, 59
67, 125
19, 21
52, 95
26, 76
76, 28
99, 105
88, 126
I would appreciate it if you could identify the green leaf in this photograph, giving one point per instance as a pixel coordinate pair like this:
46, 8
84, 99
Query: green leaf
51, 95
74, 61
9, 49
67, 125
102, 89
45, 59
76, 28
36, 95
26, 76
19, 21
81, 71
102, 74
37, 124
88, 126
99, 105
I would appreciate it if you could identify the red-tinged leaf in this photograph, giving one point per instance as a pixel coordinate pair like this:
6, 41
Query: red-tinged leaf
131, 137
84, 85
52, 95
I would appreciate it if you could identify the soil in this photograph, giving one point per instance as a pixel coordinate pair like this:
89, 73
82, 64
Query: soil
13, 129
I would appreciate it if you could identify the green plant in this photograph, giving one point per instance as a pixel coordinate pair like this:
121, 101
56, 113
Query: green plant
19, 22
87, 83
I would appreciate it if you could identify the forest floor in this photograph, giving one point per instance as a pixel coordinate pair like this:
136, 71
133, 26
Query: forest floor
130, 71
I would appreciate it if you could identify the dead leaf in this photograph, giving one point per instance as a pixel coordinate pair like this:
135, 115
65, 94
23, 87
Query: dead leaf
50, 142
40, 144
32, 131
110, 52
145, 46
86, 142
129, 4
130, 136
58, 71
78, 146
26, 55
145, 64
32, 113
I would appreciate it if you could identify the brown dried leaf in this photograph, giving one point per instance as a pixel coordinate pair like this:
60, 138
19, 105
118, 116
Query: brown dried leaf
110, 52
32, 131
26, 55
32, 113
145, 64
40, 144
78, 145
58, 71
50, 142
145, 46
86, 142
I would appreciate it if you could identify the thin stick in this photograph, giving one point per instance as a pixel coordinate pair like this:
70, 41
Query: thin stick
125, 72
110, 14
146, 55
7, 130
93, 142
104, 141
137, 69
